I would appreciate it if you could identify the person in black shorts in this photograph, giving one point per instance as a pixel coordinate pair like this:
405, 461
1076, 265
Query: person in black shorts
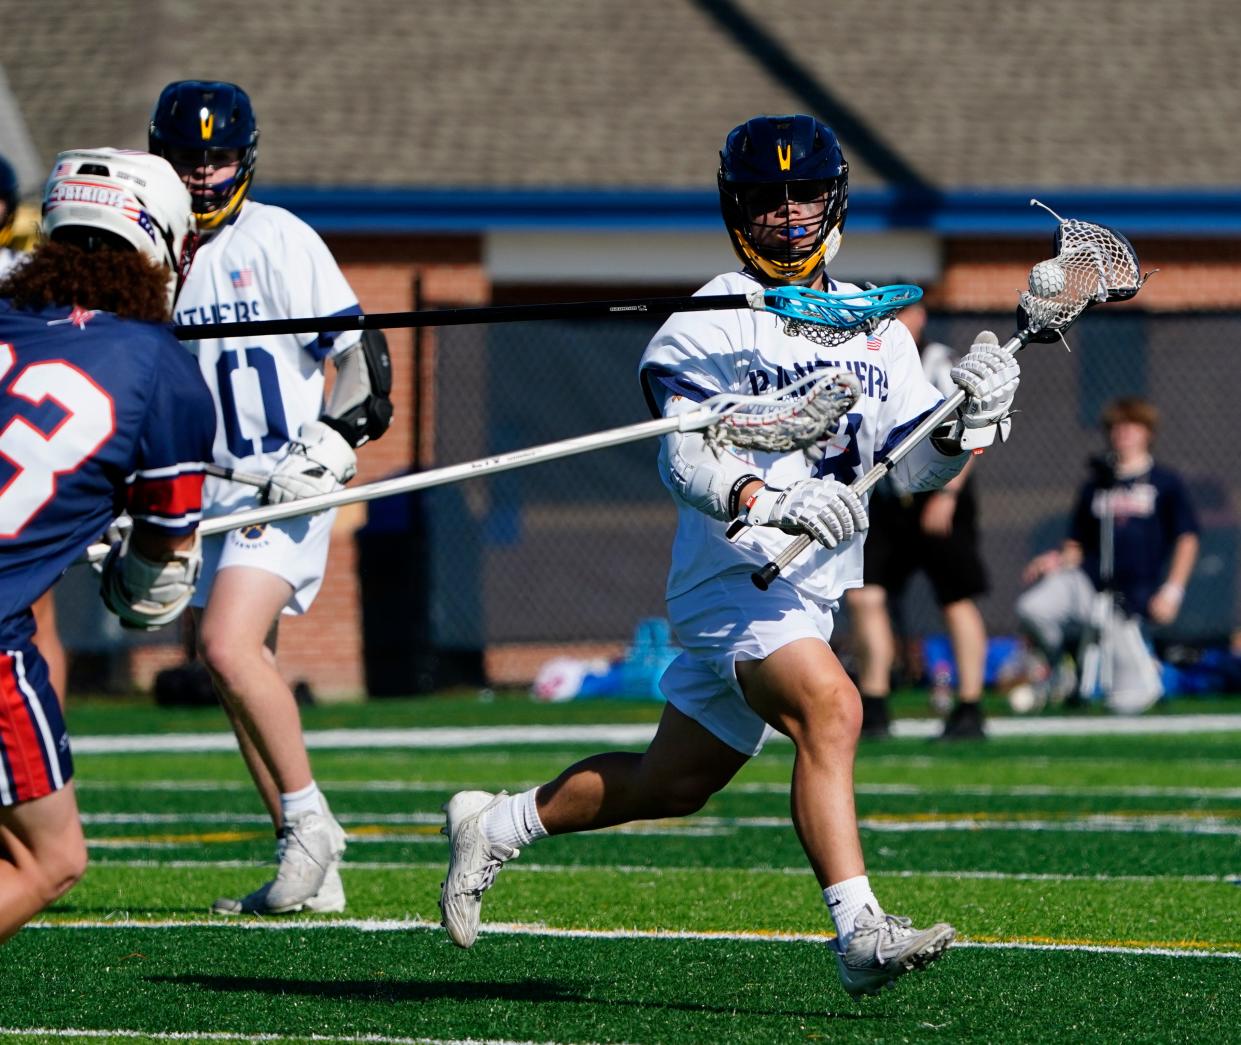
935, 532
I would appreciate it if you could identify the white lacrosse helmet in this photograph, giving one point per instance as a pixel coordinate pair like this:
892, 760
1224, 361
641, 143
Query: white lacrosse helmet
129, 196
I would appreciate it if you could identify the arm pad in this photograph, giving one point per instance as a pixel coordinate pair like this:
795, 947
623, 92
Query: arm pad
700, 478
359, 407
925, 468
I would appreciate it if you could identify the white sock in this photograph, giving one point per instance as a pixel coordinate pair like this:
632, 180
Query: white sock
295, 803
514, 821
845, 901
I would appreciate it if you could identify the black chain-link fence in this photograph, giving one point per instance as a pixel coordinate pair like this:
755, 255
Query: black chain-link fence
577, 549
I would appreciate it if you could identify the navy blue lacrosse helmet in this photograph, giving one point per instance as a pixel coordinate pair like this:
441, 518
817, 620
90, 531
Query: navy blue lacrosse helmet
8, 200
770, 167
200, 124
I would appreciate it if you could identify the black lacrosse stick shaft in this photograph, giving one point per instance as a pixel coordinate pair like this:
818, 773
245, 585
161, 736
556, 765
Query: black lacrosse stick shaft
453, 317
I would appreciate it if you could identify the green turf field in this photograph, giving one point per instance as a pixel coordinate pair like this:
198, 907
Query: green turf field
1093, 881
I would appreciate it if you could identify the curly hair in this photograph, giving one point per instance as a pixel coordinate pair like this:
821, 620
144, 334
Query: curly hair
124, 282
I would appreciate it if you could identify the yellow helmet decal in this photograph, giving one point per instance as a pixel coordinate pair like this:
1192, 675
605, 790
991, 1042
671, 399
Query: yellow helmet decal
206, 122
784, 153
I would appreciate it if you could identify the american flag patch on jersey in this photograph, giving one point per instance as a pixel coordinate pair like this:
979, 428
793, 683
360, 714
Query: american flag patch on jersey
874, 343
242, 278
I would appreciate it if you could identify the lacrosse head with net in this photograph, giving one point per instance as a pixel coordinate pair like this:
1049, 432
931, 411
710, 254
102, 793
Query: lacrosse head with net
801, 415
831, 318
1093, 264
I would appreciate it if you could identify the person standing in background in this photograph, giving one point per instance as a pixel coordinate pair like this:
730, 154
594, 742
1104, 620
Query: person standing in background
936, 532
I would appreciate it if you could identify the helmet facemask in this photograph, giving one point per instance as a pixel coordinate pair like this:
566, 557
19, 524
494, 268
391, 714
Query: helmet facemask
785, 232
214, 201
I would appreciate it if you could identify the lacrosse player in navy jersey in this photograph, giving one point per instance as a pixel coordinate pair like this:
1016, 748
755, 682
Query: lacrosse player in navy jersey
756, 661
255, 261
101, 412
47, 637
1141, 509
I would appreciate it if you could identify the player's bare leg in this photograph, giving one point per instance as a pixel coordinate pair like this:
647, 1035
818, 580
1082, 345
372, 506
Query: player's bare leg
233, 630
240, 612
802, 690
968, 634
42, 856
264, 782
868, 611
47, 639
682, 768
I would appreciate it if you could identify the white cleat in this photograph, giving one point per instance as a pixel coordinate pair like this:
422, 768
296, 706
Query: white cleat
330, 899
884, 947
308, 852
472, 865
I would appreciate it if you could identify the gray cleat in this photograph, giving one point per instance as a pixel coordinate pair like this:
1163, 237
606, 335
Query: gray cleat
884, 947
472, 865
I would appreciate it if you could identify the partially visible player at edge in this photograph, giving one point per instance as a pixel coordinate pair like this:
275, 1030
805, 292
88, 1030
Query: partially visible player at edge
101, 411
260, 262
757, 661
47, 637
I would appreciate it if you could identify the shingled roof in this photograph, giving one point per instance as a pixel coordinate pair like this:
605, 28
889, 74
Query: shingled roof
639, 93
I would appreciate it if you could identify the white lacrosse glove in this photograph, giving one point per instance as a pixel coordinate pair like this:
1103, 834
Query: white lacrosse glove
824, 509
319, 460
989, 376
147, 595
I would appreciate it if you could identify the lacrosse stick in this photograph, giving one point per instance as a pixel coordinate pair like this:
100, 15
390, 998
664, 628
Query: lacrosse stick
790, 418
1092, 265
234, 476
806, 309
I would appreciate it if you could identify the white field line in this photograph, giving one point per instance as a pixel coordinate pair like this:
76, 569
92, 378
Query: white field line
70, 1033
494, 736
753, 788
1124, 823
382, 925
632, 869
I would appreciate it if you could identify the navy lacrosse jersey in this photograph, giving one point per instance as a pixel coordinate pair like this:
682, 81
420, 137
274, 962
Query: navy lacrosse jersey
1149, 512
98, 415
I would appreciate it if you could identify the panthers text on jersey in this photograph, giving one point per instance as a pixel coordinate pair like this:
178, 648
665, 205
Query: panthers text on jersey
267, 264
700, 354
98, 415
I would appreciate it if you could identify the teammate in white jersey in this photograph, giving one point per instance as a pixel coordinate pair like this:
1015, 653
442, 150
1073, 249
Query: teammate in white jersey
261, 262
757, 661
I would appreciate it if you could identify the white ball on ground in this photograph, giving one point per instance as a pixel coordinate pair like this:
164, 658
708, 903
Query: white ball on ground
1047, 279
1022, 699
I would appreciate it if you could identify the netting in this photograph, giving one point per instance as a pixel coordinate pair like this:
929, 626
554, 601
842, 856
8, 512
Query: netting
1092, 265
795, 421
578, 550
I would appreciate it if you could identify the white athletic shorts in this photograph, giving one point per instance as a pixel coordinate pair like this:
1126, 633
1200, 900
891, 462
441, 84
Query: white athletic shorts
293, 549
720, 622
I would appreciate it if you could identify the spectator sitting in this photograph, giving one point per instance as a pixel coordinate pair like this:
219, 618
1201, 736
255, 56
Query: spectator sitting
1133, 533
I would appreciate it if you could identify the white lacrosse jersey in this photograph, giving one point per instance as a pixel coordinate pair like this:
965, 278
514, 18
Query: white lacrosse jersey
701, 354
267, 264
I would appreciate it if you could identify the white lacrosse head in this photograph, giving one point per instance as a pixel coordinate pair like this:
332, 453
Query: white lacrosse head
133, 195
792, 418
1094, 264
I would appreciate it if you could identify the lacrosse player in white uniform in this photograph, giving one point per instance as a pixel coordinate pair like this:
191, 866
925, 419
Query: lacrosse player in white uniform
757, 661
260, 262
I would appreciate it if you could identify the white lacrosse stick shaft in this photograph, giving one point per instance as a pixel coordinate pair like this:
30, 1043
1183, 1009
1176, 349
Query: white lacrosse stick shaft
713, 411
